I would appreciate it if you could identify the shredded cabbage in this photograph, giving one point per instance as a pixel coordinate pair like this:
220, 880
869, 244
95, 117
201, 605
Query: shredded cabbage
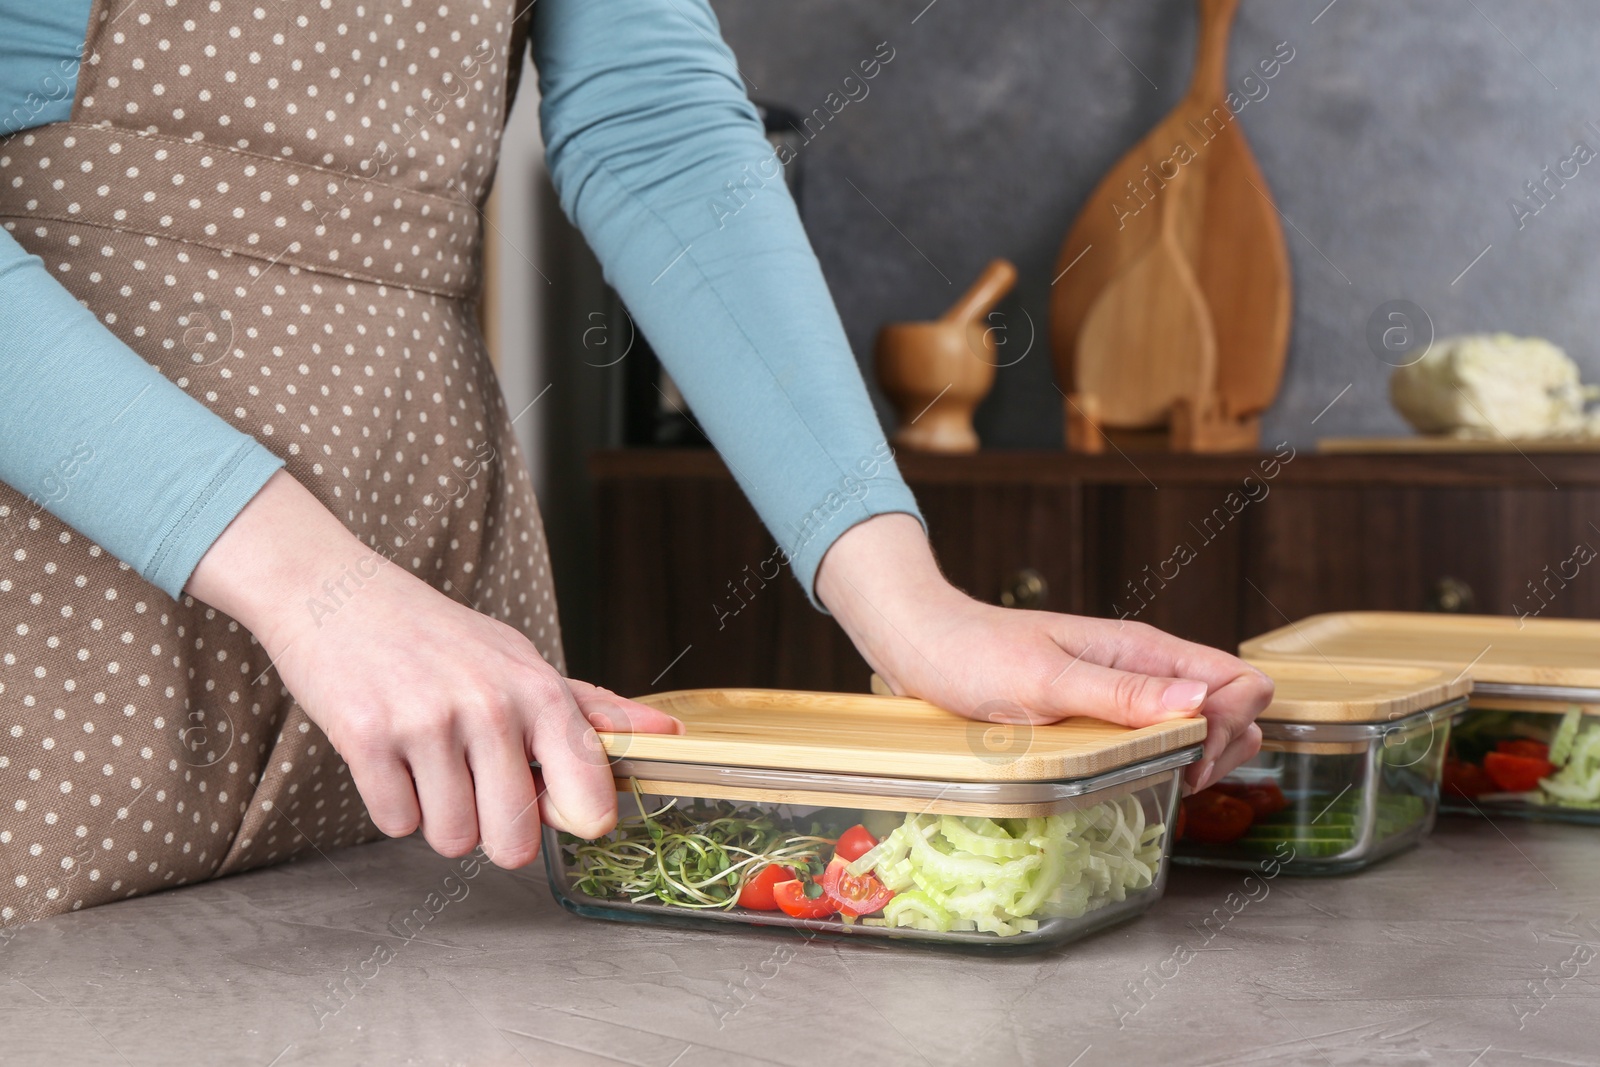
1575, 750
1566, 734
915, 909
1002, 876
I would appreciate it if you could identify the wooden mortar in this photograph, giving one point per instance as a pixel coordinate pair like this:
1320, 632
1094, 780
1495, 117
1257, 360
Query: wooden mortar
936, 373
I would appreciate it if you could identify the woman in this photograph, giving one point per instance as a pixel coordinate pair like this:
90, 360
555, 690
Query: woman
261, 488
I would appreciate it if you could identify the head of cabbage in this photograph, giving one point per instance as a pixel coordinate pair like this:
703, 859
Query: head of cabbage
1494, 386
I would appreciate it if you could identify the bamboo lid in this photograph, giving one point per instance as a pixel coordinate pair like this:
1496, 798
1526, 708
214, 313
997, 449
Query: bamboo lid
1498, 649
1310, 690
849, 733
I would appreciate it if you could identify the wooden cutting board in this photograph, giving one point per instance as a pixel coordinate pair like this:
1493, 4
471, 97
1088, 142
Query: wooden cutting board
1148, 341
848, 733
1485, 648
1421, 443
1228, 228
1315, 691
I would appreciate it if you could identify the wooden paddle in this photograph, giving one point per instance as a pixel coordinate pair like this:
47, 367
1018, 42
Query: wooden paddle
1197, 165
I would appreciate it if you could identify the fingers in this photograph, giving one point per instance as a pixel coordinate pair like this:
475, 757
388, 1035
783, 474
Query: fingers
577, 791
507, 798
1119, 696
1240, 749
488, 791
580, 795
485, 789
1134, 646
1237, 692
385, 786
445, 790
1230, 717
1208, 772
607, 711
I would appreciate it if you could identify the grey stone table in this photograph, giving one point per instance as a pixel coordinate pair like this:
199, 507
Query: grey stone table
1478, 949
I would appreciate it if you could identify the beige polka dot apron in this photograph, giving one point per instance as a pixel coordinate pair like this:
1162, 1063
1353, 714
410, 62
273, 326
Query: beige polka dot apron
275, 203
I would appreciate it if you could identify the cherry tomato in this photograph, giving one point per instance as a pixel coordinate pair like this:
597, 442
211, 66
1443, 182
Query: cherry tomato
756, 893
1216, 818
792, 900
1531, 749
1516, 774
854, 843
1466, 779
853, 894
1264, 798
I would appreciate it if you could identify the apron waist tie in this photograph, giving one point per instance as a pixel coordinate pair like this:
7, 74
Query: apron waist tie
260, 207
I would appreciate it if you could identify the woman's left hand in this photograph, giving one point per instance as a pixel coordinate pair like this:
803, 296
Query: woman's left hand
928, 639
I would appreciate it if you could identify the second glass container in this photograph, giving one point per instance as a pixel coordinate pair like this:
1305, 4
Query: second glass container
1348, 772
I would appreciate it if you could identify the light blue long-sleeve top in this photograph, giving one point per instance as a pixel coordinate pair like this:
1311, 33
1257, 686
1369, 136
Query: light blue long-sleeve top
646, 123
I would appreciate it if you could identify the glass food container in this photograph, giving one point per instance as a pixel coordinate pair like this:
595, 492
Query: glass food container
879, 818
1348, 772
1529, 743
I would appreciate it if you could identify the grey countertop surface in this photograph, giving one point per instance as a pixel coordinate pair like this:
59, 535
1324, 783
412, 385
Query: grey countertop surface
1481, 948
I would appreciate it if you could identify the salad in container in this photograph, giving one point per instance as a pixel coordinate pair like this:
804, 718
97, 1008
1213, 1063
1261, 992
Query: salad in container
1529, 743
1348, 772
881, 818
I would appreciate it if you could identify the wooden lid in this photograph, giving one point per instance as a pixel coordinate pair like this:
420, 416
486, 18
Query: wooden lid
1499, 649
849, 733
1310, 690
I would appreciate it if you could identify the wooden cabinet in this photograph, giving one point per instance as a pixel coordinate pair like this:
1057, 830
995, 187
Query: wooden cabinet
1212, 548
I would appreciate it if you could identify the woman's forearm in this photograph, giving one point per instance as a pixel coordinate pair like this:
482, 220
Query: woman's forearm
648, 129
96, 436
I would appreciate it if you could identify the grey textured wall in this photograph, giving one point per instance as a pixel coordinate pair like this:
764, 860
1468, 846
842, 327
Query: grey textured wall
1393, 142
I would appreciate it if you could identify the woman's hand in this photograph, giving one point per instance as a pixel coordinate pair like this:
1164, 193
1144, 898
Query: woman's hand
928, 639
436, 708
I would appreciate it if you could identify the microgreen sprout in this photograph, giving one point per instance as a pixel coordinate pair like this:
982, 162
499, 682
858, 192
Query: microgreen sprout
692, 856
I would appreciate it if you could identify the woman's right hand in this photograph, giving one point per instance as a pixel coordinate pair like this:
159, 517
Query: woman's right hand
436, 708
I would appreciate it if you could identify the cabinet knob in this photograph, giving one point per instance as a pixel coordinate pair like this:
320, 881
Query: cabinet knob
1450, 595
1025, 588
